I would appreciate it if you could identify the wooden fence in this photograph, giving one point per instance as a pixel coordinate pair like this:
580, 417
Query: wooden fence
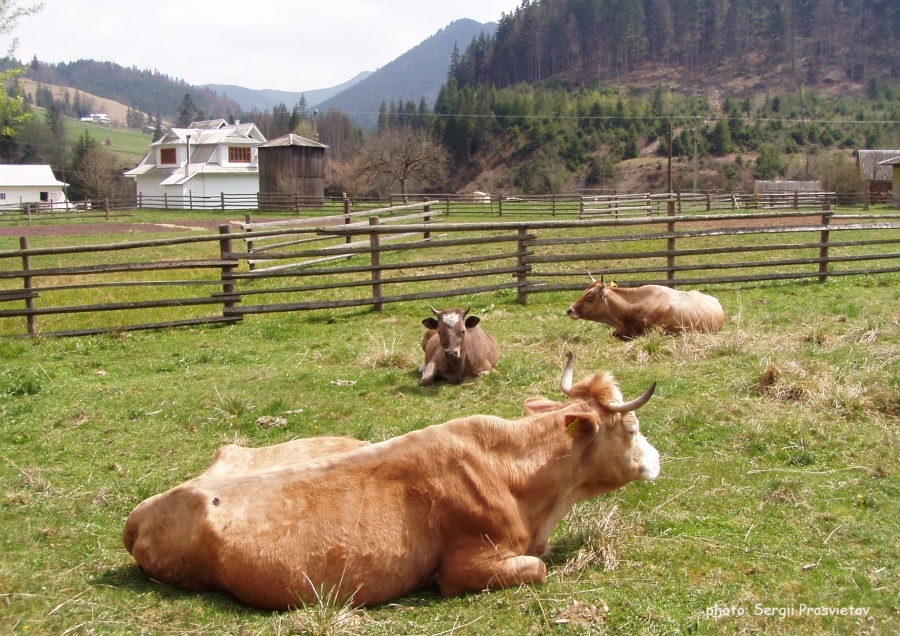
264, 268
580, 205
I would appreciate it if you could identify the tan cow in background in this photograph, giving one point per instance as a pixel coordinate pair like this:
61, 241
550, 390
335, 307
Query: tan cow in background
632, 311
468, 504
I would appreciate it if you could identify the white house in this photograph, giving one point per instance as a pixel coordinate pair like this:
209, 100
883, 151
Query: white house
20, 184
207, 159
97, 118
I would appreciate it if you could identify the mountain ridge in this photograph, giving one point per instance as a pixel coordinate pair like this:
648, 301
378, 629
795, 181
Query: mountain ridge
417, 74
268, 98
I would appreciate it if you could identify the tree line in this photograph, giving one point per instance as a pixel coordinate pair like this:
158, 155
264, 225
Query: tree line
603, 40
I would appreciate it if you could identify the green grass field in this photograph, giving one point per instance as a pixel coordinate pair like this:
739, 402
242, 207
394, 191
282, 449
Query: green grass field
776, 506
128, 146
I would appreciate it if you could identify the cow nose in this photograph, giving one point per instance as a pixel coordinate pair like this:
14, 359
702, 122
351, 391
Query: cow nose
571, 312
452, 353
649, 460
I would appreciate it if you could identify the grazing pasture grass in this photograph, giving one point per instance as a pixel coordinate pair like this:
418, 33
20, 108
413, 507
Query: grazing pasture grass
778, 491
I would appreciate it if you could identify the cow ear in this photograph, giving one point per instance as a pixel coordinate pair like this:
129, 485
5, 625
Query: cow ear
472, 321
430, 323
582, 423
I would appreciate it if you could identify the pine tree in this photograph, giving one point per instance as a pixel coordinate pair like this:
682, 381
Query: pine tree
187, 112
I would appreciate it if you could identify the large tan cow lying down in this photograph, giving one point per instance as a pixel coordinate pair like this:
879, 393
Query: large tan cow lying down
468, 504
632, 311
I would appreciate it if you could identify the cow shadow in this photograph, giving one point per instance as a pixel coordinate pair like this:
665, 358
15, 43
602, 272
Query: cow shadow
132, 579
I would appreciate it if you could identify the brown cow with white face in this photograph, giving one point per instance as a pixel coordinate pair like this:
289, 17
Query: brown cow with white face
456, 347
632, 311
468, 504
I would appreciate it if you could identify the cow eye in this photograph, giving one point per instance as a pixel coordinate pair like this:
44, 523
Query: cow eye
590, 298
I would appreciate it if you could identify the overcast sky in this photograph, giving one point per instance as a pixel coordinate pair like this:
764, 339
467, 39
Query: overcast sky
291, 45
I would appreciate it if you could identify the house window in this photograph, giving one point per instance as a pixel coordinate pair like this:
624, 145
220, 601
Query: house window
238, 154
167, 155
2, 196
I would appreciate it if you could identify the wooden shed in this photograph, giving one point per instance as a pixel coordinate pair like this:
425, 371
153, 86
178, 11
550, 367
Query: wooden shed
894, 165
290, 167
878, 175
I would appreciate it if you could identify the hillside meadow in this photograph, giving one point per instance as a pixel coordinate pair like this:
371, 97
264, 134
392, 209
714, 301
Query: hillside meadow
776, 510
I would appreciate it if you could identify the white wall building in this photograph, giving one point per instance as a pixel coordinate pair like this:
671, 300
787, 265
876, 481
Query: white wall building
205, 160
21, 184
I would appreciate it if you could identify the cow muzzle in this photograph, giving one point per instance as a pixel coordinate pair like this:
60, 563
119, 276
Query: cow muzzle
571, 312
453, 354
650, 464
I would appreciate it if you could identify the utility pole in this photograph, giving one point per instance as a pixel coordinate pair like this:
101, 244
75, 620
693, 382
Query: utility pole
696, 144
669, 172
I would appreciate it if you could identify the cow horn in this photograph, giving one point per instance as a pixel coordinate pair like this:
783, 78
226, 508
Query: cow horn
435, 311
566, 382
466, 312
593, 280
635, 404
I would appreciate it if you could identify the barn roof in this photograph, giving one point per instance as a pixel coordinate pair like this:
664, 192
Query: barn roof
890, 162
292, 140
28, 175
872, 166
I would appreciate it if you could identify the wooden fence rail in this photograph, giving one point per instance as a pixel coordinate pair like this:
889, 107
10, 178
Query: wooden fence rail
573, 204
413, 252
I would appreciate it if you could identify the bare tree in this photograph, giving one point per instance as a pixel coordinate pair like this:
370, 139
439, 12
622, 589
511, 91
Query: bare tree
96, 173
403, 155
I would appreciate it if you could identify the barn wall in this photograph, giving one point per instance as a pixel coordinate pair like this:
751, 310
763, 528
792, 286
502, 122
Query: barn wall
16, 195
296, 170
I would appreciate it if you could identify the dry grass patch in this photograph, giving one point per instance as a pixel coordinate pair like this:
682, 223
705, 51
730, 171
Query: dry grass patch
592, 540
386, 354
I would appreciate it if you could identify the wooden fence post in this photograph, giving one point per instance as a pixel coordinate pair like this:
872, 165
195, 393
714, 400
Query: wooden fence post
250, 263
347, 218
229, 288
670, 244
26, 283
823, 244
222, 200
375, 244
522, 267
105, 207
426, 219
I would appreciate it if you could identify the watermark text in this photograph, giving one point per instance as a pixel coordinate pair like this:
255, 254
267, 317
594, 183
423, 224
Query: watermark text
798, 611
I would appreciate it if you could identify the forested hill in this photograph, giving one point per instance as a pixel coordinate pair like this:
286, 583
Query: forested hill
414, 76
816, 42
148, 91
